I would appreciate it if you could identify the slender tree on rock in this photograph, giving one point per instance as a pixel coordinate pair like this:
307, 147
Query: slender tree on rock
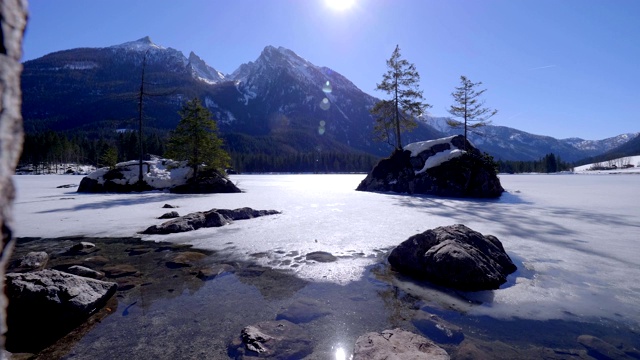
469, 107
398, 114
196, 139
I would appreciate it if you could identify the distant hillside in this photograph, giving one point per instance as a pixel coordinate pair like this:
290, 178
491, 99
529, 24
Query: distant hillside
505, 143
630, 148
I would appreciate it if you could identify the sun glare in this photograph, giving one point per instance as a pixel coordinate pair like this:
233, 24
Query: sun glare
340, 5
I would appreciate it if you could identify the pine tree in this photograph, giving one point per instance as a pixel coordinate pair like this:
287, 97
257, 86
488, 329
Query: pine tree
398, 114
109, 157
196, 140
469, 107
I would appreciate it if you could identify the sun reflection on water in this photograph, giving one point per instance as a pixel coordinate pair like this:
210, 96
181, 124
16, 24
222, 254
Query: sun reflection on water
340, 354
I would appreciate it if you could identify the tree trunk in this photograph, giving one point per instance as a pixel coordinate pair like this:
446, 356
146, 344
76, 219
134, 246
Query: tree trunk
13, 19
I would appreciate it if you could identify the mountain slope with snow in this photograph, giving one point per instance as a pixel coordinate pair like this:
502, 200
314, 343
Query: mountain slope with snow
507, 143
283, 100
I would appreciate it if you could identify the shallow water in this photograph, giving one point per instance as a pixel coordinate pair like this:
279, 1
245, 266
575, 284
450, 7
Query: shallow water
169, 313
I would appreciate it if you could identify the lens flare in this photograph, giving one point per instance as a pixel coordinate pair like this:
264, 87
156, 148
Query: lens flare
327, 88
324, 104
321, 129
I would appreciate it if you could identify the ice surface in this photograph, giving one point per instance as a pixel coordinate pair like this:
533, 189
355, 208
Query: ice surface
575, 239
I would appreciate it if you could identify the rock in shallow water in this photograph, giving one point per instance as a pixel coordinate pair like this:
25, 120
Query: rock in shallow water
273, 340
35, 260
437, 329
454, 256
43, 305
304, 310
84, 271
396, 344
599, 349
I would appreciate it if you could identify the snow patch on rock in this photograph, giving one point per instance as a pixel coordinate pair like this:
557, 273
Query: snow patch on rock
158, 173
438, 158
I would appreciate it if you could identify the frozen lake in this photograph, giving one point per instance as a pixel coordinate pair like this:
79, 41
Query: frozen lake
574, 238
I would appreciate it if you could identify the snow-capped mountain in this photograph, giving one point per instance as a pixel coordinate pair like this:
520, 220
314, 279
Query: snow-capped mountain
279, 102
600, 146
511, 144
201, 71
290, 93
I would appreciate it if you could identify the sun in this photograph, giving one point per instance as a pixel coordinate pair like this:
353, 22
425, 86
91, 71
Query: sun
340, 5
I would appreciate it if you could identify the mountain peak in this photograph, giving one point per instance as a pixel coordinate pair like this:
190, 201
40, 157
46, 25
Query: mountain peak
202, 71
141, 44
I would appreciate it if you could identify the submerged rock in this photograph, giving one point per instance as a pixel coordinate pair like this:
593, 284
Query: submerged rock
396, 344
600, 349
214, 271
33, 261
120, 270
303, 310
211, 218
273, 340
449, 167
83, 247
84, 271
185, 259
437, 329
454, 256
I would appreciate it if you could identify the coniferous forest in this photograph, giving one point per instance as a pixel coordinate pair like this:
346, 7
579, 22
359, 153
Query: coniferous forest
49, 149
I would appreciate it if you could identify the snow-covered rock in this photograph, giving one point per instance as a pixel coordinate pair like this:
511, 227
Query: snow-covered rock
449, 167
157, 174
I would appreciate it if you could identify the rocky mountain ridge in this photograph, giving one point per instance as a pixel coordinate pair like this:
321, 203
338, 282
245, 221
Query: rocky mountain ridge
278, 103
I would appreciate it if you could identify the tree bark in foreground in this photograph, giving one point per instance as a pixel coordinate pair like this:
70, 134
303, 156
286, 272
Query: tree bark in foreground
13, 19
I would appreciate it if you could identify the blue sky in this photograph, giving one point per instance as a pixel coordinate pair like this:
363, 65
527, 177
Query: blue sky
563, 68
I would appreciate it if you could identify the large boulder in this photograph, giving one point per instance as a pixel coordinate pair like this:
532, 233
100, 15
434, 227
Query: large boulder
396, 344
211, 218
157, 174
207, 182
449, 167
46, 304
455, 257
